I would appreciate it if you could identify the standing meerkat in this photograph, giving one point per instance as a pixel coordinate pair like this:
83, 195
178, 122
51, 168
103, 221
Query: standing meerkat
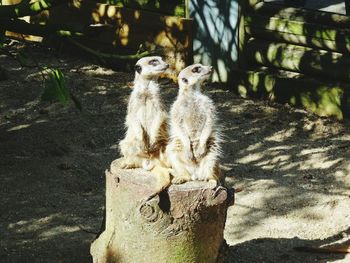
193, 150
146, 121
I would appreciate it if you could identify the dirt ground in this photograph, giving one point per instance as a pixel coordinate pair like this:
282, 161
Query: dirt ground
294, 168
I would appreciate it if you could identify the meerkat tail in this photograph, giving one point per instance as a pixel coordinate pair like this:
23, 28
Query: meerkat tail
163, 177
328, 249
161, 170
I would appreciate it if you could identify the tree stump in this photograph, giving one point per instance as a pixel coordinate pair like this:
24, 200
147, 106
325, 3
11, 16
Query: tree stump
182, 224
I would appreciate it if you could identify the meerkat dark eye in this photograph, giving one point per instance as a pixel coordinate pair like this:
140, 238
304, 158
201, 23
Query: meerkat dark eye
138, 68
154, 62
184, 80
196, 70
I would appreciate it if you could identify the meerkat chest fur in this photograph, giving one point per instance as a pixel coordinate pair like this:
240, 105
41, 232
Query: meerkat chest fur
145, 104
191, 112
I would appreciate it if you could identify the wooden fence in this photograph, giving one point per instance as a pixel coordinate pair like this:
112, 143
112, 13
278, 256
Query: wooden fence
122, 27
296, 56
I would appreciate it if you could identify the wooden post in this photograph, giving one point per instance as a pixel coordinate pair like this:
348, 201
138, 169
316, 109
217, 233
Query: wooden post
183, 224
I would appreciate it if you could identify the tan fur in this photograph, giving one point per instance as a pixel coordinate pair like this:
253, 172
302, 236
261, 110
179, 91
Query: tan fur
193, 150
146, 121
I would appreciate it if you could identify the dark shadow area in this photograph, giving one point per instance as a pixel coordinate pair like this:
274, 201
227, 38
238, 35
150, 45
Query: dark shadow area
283, 251
290, 168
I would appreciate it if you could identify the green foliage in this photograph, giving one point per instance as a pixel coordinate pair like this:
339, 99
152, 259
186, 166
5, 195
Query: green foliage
56, 89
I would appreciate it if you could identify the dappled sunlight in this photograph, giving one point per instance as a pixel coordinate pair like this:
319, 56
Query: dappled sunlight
57, 231
101, 90
269, 208
39, 226
282, 135
19, 127
319, 161
77, 3
124, 28
251, 131
137, 14
278, 160
93, 70
293, 172
292, 53
250, 158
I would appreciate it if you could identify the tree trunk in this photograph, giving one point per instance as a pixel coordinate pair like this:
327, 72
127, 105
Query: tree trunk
182, 224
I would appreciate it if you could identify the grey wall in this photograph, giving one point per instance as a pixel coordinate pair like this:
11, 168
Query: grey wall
215, 40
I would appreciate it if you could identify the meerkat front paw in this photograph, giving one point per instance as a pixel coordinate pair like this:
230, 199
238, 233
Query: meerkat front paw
200, 152
128, 163
124, 165
180, 179
148, 165
129, 166
188, 154
178, 146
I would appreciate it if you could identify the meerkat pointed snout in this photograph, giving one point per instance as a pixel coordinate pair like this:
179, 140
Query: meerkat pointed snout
193, 150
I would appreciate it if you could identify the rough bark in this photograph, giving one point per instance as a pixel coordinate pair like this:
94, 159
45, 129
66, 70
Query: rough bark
183, 224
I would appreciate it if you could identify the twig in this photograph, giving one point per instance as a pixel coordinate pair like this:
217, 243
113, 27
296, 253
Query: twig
108, 55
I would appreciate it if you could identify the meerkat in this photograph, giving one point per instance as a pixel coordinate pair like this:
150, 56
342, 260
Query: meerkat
146, 120
193, 150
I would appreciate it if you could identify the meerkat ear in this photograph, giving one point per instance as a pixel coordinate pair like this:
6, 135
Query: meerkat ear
138, 69
184, 80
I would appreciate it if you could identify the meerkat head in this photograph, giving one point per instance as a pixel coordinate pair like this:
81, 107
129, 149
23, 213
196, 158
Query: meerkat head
150, 67
193, 76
